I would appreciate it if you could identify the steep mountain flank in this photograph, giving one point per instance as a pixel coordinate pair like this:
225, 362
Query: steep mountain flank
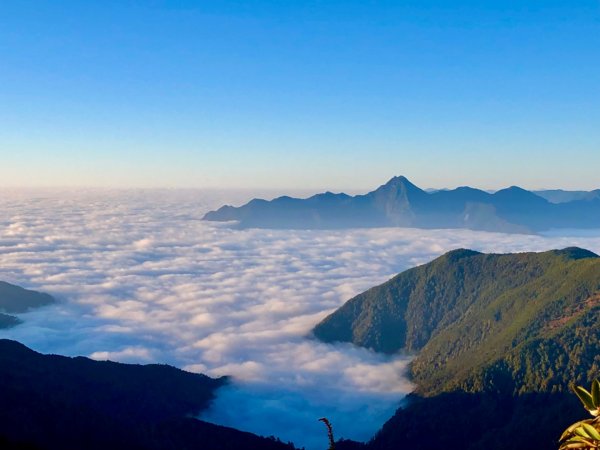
497, 338
476, 320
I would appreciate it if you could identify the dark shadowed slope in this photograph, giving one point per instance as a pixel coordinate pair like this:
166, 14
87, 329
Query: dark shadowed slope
54, 402
497, 339
399, 203
479, 420
15, 299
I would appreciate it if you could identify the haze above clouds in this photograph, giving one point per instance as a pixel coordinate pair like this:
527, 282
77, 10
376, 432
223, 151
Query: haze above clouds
141, 278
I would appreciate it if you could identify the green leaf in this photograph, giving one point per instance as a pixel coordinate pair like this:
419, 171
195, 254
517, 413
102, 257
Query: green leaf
577, 439
591, 431
569, 431
582, 432
585, 397
596, 393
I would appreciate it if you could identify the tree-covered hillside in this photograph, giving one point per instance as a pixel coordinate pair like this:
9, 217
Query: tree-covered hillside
476, 321
497, 341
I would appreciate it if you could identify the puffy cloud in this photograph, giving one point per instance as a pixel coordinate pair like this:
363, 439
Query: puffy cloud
141, 278
139, 353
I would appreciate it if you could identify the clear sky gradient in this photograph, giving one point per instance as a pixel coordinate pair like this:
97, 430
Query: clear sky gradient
300, 94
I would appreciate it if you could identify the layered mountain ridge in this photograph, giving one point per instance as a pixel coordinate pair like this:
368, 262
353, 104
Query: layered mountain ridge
399, 203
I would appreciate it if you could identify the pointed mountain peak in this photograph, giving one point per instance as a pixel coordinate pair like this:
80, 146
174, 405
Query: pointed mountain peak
401, 182
514, 190
397, 195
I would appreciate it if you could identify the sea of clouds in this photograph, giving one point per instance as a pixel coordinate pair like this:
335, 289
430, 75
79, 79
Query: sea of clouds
141, 278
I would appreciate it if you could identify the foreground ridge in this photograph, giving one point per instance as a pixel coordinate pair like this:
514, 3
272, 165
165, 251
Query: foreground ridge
497, 339
75, 403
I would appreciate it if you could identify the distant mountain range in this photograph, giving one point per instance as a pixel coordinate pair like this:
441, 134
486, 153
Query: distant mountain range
399, 203
15, 299
52, 402
497, 338
560, 196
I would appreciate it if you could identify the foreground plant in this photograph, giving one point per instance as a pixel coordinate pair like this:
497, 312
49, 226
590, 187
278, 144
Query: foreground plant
329, 432
585, 434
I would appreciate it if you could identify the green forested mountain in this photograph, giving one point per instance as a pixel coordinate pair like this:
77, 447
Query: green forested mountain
497, 340
476, 322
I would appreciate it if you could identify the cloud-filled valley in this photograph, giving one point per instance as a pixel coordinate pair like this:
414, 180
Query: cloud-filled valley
140, 278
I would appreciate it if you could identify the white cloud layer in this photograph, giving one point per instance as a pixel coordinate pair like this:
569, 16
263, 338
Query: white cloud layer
141, 278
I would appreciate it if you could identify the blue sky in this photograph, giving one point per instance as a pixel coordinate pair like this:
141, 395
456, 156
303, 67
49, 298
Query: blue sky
299, 94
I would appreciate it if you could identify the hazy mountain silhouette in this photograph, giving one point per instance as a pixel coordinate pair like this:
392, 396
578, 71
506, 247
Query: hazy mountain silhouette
561, 196
8, 321
15, 299
399, 203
